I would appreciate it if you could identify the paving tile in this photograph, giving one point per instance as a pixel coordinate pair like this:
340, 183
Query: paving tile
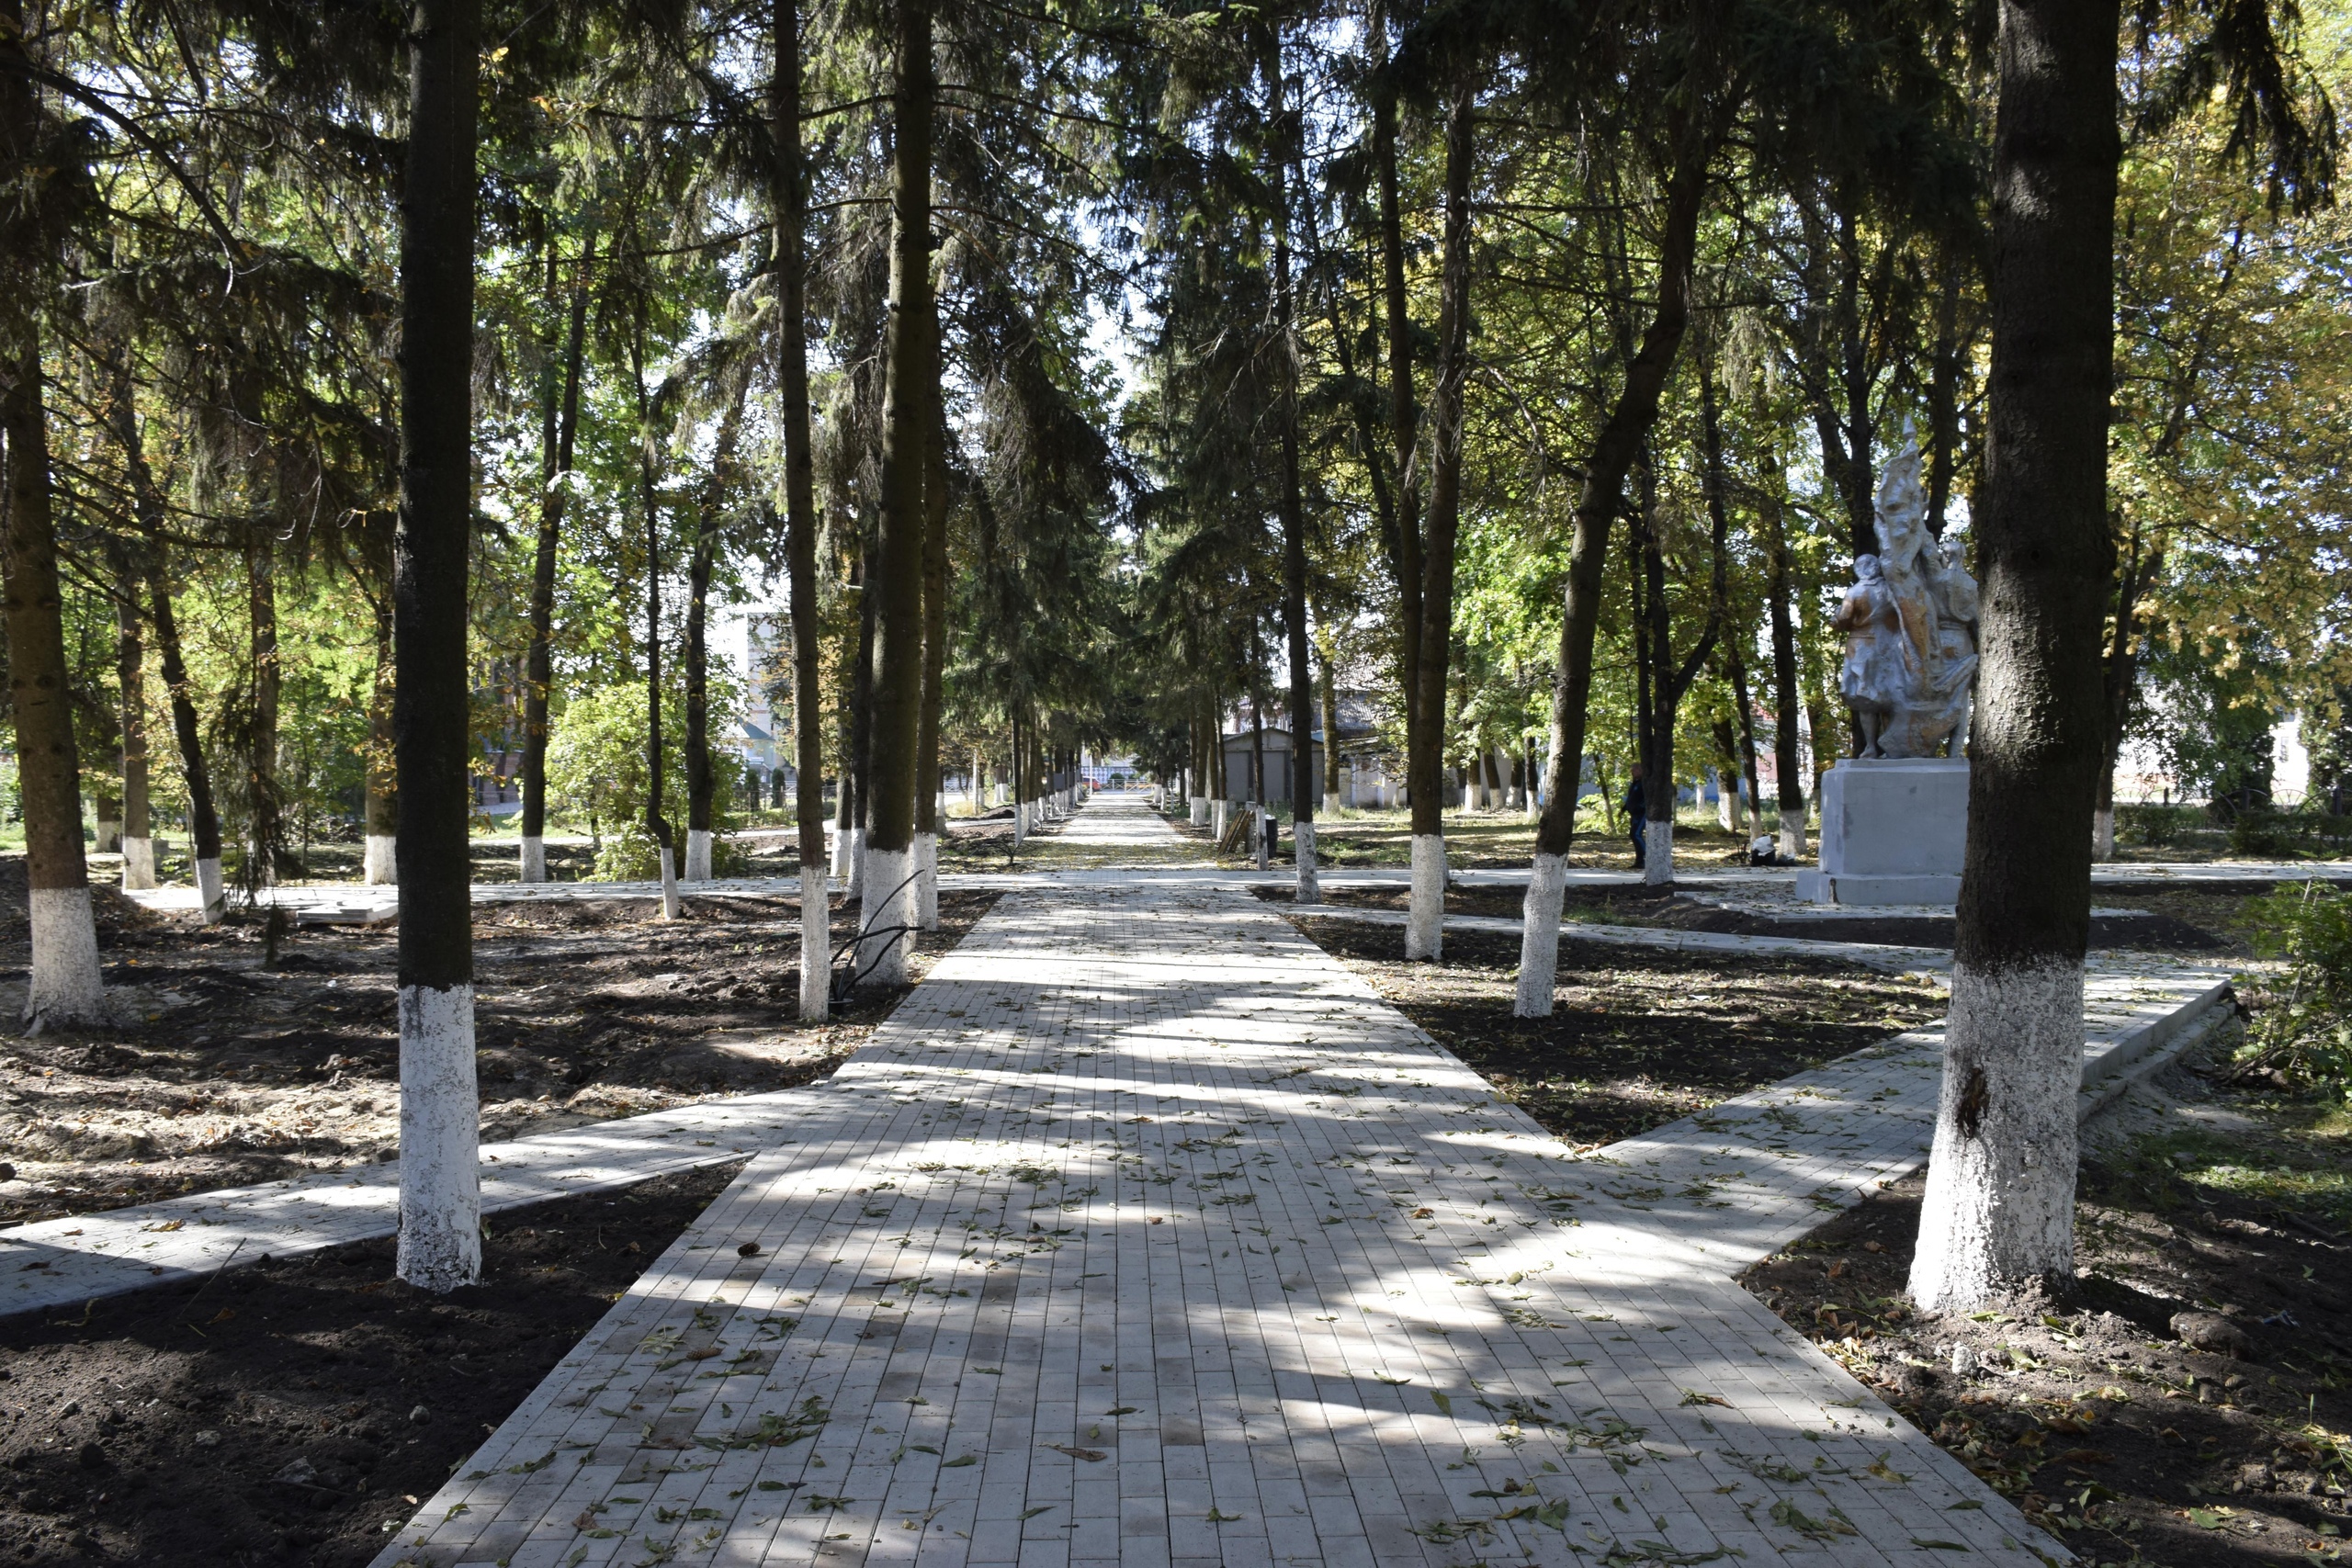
1105, 1132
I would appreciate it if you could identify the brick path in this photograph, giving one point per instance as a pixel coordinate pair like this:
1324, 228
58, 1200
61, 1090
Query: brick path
1143, 1232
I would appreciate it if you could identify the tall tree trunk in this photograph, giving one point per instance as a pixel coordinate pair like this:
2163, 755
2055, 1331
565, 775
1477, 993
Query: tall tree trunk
701, 778
1787, 757
1598, 502
788, 200
2138, 569
1668, 683
65, 987
657, 821
1998, 1214
1330, 719
1404, 416
130, 675
859, 767
1746, 720
928, 826
893, 590
1425, 761
440, 1237
267, 854
381, 866
1288, 502
555, 494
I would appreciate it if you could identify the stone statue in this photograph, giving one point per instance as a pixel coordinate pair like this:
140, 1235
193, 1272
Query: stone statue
1910, 625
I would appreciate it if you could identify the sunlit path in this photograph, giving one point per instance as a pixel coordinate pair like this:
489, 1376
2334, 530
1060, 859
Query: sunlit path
1144, 1234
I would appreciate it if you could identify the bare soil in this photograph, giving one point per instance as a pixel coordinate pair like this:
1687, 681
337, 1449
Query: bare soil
230, 1070
2129, 1444
295, 1411
1636, 1038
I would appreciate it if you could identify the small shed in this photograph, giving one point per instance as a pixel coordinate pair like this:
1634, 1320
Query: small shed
1238, 767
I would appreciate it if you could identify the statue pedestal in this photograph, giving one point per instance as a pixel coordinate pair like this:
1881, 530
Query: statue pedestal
1894, 831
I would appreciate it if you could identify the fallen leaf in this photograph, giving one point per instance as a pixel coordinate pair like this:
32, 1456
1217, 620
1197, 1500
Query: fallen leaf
1090, 1455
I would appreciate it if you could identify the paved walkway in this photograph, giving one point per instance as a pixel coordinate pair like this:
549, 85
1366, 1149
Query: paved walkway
1144, 1232
68, 1261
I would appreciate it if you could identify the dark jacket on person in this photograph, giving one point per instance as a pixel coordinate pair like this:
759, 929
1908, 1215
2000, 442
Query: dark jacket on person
1636, 807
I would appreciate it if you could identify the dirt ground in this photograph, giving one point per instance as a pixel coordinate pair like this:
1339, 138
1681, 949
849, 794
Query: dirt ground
295, 1411
1636, 1038
2097, 1414
231, 1070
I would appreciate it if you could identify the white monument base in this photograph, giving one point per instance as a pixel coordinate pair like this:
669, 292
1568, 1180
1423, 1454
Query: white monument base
1894, 831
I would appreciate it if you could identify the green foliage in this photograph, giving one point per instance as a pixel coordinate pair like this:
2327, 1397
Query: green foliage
2304, 1035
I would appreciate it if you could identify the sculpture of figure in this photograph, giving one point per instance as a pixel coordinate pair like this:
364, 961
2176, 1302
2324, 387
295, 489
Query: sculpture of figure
1878, 655
1910, 621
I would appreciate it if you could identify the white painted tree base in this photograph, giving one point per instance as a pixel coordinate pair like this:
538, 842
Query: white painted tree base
1020, 826
1330, 806
698, 854
854, 886
2103, 833
108, 839
1657, 857
1309, 890
1999, 1211
1425, 915
841, 841
381, 866
927, 881
440, 1245
138, 864
1539, 938
208, 891
1792, 840
882, 947
669, 910
1258, 838
1197, 810
816, 946
534, 860
66, 987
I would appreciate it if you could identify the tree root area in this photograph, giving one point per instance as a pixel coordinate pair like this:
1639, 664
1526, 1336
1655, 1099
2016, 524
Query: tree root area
231, 1068
2094, 1415
297, 1411
1636, 1038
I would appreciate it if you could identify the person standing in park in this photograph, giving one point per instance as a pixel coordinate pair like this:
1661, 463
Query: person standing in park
1637, 814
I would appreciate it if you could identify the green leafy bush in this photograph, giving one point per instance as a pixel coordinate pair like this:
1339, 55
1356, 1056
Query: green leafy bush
2155, 826
2302, 1034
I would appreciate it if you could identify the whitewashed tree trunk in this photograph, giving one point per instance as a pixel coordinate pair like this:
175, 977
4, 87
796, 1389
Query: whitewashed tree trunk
109, 837
1999, 1214
1425, 915
440, 1241
816, 946
138, 864
857, 883
839, 844
927, 881
209, 899
1539, 937
1727, 808
1197, 810
534, 860
698, 854
381, 866
1257, 835
1020, 825
66, 985
669, 884
1792, 845
882, 947
2103, 833
1309, 890
1658, 840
